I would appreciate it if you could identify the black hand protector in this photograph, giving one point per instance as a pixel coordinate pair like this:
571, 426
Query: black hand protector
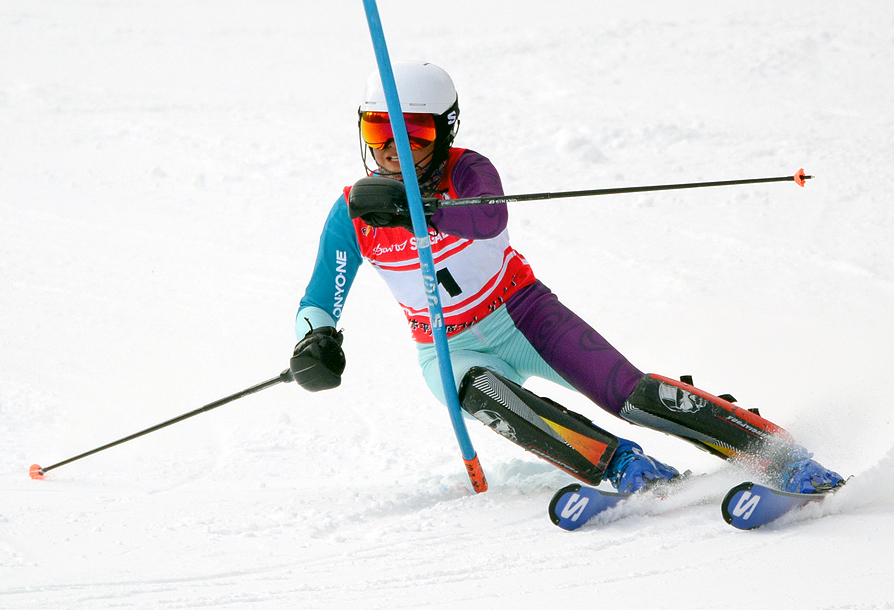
318, 360
382, 202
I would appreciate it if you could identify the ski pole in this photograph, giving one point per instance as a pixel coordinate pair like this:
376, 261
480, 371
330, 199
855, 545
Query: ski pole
423, 241
799, 179
37, 472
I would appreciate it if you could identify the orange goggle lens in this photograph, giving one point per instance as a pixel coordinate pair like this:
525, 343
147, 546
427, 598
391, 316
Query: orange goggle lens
375, 129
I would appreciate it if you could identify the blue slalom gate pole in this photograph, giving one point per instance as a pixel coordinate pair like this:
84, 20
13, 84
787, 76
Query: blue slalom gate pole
423, 244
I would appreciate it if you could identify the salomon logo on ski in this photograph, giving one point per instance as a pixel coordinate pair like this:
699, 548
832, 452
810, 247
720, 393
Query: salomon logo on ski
746, 505
575, 507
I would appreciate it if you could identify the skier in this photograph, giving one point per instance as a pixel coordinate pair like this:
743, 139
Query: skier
503, 324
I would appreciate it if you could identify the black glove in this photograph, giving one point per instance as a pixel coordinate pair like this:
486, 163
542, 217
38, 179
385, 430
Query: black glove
382, 202
318, 360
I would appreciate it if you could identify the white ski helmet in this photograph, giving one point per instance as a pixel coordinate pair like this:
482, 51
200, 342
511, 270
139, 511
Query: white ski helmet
423, 88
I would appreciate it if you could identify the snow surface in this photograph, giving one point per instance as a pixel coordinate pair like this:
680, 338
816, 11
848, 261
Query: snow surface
165, 167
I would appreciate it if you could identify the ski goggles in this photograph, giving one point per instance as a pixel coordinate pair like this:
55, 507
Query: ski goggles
375, 129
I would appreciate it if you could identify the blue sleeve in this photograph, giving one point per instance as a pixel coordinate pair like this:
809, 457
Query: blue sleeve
338, 259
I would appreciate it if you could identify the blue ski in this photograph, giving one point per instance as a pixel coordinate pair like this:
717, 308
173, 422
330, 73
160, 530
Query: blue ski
575, 504
750, 505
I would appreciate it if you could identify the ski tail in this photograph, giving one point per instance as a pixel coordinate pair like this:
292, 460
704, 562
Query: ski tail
574, 505
750, 505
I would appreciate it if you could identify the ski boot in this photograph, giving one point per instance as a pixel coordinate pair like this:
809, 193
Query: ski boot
631, 470
806, 476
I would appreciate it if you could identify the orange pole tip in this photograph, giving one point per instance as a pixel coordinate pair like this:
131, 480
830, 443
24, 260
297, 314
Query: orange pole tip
800, 177
36, 472
476, 475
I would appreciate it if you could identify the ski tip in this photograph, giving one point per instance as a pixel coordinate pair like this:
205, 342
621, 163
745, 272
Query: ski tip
801, 177
36, 472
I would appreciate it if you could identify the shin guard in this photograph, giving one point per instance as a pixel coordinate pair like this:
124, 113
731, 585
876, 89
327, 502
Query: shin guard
710, 422
569, 440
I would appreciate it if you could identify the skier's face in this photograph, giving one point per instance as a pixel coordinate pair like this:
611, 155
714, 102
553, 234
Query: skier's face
375, 129
386, 158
